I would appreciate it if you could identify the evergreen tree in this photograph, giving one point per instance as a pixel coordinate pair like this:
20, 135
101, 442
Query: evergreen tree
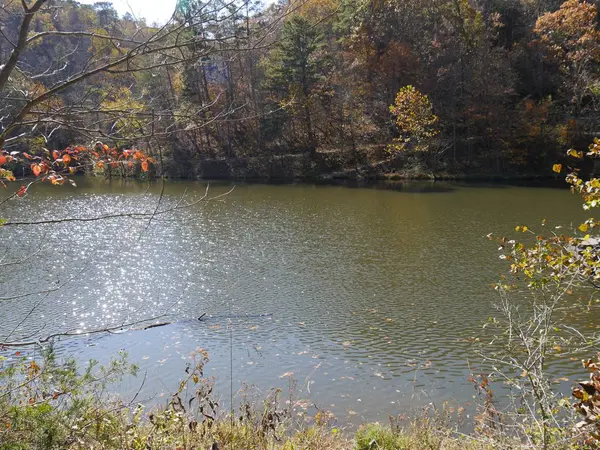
294, 68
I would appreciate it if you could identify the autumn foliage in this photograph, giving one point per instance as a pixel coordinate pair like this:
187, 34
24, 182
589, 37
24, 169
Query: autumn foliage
588, 406
413, 113
56, 166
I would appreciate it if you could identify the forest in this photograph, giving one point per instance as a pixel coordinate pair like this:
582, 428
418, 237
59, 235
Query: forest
349, 88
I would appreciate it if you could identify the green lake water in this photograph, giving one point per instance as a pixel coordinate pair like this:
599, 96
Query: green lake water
369, 297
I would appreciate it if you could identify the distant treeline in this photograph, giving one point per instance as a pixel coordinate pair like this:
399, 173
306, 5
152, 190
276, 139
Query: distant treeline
514, 83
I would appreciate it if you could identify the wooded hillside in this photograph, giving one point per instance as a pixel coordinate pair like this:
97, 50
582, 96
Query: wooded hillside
512, 84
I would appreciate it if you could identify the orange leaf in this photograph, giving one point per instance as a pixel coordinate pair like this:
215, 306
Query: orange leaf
55, 154
66, 160
105, 147
27, 155
36, 169
100, 165
145, 166
3, 160
56, 180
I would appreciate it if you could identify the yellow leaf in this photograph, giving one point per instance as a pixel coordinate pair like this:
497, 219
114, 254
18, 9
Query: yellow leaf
583, 227
557, 168
575, 154
525, 229
517, 228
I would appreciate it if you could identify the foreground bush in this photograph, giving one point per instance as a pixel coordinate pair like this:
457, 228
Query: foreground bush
49, 405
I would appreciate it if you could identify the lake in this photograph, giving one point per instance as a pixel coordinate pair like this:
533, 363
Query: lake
368, 297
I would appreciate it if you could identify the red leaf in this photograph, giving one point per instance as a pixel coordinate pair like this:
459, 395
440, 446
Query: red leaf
22, 191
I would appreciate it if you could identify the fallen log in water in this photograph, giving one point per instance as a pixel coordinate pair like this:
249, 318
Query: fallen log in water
120, 329
112, 330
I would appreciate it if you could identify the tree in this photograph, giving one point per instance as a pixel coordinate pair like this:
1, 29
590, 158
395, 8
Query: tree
294, 68
572, 40
415, 120
69, 96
